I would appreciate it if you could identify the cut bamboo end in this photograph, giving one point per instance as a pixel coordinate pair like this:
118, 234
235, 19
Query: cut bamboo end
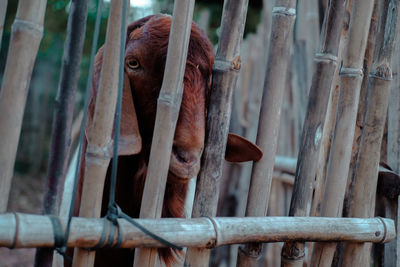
25, 230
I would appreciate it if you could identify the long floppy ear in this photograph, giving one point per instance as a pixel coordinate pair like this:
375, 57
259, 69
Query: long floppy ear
130, 141
239, 149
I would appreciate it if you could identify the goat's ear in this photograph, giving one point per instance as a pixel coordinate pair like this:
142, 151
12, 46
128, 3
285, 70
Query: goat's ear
239, 149
130, 141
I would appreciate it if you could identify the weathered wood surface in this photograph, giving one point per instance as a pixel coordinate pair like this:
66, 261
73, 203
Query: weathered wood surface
225, 73
27, 32
36, 230
98, 153
350, 77
283, 17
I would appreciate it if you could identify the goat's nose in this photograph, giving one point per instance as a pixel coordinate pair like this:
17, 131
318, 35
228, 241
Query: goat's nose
184, 155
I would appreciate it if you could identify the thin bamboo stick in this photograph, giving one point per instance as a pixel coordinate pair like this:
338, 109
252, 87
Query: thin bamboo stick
27, 31
225, 74
98, 153
26, 230
3, 9
281, 39
351, 77
168, 106
366, 177
62, 122
326, 62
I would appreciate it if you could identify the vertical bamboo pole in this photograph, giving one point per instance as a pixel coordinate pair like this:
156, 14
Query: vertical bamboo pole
98, 153
366, 177
350, 77
27, 31
168, 106
392, 250
326, 62
3, 11
283, 17
62, 123
362, 105
225, 74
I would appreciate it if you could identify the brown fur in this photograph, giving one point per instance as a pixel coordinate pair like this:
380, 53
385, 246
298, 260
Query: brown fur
147, 41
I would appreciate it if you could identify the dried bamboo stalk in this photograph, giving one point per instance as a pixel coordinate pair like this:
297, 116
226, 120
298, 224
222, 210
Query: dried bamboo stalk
36, 230
366, 177
225, 74
3, 9
27, 31
281, 39
62, 119
329, 124
98, 153
168, 106
350, 77
326, 62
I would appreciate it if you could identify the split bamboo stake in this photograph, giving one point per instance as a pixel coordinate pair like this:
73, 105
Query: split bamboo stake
27, 31
283, 17
25, 230
98, 153
329, 124
225, 74
168, 106
326, 63
351, 77
3, 9
366, 177
62, 122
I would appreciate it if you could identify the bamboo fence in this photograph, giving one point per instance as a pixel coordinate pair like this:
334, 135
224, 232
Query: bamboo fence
98, 153
168, 106
225, 74
27, 31
365, 182
326, 63
351, 77
283, 16
25, 230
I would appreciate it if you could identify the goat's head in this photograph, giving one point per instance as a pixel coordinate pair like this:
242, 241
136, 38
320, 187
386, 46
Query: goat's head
145, 56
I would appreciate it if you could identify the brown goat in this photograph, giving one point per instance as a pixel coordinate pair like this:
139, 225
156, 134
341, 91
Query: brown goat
145, 56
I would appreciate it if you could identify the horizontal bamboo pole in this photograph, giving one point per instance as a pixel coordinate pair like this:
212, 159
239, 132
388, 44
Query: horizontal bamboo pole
25, 230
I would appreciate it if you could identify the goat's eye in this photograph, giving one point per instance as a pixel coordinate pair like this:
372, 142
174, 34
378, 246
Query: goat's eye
133, 64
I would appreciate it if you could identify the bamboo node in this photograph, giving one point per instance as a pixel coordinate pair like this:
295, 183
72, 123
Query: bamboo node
213, 242
222, 65
325, 57
351, 72
281, 10
96, 153
382, 72
14, 242
292, 252
384, 230
20, 24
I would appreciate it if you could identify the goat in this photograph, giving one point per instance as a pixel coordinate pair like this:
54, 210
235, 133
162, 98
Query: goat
145, 56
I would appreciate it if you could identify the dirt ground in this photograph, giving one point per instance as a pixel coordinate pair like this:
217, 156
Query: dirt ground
26, 196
